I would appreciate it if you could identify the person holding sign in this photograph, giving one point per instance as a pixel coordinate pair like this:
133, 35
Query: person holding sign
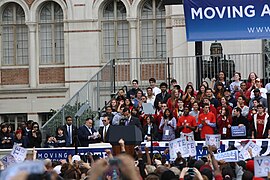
224, 122
206, 121
186, 123
239, 120
261, 124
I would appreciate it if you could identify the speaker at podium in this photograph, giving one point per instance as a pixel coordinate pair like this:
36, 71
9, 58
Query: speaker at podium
132, 135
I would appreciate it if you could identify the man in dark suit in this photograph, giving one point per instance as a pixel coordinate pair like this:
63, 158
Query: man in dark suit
130, 120
87, 134
105, 130
163, 96
70, 131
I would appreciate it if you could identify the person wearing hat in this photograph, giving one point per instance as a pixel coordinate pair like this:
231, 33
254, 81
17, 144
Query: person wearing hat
19, 139
257, 95
230, 99
262, 90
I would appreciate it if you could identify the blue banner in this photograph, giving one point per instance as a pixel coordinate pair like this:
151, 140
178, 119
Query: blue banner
227, 19
56, 154
238, 131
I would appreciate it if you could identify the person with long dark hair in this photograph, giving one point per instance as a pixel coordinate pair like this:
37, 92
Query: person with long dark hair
6, 141
168, 125
189, 92
150, 129
224, 122
35, 137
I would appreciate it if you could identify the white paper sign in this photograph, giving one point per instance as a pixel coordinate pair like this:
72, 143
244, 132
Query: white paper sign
192, 148
31, 167
178, 145
8, 160
244, 155
228, 156
213, 140
254, 147
262, 166
19, 153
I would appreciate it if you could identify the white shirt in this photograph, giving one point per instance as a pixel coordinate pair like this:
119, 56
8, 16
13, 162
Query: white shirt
156, 90
69, 130
263, 92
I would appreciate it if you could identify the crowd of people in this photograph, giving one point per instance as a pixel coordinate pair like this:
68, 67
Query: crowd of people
213, 109
142, 165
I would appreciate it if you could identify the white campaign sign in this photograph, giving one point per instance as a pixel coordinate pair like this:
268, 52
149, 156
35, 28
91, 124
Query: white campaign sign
192, 148
262, 166
8, 160
213, 140
254, 147
244, 155
30, 167
19, 153
228, 156
178, 145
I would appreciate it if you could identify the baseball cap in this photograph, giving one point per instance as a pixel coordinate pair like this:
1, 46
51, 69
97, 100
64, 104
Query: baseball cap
256, 90
76, 158
257, 79
227, 89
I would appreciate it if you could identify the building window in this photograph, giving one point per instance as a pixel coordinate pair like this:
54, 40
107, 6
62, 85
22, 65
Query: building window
115, 31
14, 36
14, 119
153, 30
51, 34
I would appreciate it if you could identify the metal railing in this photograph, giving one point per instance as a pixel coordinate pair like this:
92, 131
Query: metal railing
98, 89
118, 73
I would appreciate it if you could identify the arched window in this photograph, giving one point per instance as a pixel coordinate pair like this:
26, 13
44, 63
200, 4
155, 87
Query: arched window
51, 34
153, 30
14, 36
115, 31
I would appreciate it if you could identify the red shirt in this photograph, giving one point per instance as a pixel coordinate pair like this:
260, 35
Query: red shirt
260, 125
172, 105
187, 120
212, 109
224, 124
203, 119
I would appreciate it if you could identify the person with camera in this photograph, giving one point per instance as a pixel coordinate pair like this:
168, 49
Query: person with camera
50, 142
6, 142
35, 136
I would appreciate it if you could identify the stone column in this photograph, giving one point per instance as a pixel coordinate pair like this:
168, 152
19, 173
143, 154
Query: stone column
33, 73
134, 64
